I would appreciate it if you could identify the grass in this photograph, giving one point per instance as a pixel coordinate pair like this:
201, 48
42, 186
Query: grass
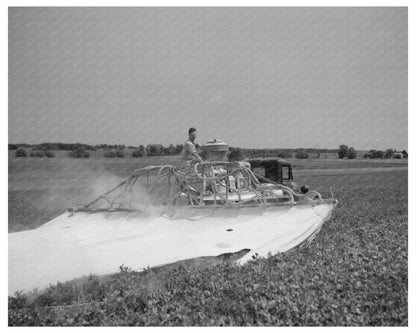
354, 273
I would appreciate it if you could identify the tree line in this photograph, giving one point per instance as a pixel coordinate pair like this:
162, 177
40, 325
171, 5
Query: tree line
350, 153
80, 150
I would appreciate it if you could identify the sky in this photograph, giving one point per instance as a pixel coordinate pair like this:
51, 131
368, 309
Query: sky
255, 77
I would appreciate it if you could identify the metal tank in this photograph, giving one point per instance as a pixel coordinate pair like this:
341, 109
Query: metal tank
215, 150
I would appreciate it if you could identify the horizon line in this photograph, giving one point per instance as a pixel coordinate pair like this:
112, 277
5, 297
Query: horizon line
94, 145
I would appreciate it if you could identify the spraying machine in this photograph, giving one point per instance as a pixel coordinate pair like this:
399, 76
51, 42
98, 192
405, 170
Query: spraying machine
164, 214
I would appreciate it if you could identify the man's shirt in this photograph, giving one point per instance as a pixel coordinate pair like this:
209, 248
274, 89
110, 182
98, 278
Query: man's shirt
188, 150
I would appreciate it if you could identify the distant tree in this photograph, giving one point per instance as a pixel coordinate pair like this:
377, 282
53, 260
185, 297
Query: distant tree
405, 155
247, 153
372, 154
380, 153
20, 152
302, 155
63, 146
375, 154
389, 153
49, 154
24, 145
164, 151
47, 146
37, 153
142, 150
154, 150
78, 152
120, 153
109, 154
352, 153
101, 146
13, 146
136, 153
284, 154
139, 152
343, 151
172, 149
178, 149
236, 154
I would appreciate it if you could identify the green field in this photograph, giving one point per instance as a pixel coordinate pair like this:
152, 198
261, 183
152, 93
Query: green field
355, 272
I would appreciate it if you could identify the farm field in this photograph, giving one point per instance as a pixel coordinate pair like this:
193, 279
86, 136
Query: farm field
355, 272
41, 188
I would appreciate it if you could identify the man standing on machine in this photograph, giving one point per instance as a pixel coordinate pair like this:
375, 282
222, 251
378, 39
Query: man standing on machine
189, 153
